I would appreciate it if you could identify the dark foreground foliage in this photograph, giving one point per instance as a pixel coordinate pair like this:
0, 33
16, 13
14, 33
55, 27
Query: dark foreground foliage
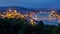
21, 26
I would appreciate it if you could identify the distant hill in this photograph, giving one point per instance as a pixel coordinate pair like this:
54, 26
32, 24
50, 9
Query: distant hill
24, 10
20, 9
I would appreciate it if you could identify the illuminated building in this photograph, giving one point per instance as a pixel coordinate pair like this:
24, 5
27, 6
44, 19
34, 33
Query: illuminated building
32, 21
14, 14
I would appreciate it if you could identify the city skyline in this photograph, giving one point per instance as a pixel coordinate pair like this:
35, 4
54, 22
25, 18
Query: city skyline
33, 16
29, 16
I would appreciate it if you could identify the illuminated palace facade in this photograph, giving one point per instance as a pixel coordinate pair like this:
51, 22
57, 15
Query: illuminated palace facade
11, 14
14, 14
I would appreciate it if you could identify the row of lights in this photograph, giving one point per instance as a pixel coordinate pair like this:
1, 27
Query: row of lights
15, 14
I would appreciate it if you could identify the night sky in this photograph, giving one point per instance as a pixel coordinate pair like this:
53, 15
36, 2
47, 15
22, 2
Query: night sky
52, 4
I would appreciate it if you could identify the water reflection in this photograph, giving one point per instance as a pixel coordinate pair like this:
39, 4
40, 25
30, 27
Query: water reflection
45, 18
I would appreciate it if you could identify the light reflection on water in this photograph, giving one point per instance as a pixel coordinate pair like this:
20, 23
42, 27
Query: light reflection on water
46, 21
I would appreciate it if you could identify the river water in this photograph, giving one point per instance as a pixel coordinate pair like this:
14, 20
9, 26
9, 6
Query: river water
46, 21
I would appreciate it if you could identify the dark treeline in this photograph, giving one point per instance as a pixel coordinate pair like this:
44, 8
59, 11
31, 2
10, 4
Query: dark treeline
21, 26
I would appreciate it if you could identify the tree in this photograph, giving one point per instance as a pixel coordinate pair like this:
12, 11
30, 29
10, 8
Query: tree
39, 28
56, 30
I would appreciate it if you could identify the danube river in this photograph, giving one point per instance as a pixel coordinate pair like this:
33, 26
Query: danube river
45, 18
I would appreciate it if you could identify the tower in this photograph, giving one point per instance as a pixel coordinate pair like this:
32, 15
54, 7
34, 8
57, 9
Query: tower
52, 13
9, 10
